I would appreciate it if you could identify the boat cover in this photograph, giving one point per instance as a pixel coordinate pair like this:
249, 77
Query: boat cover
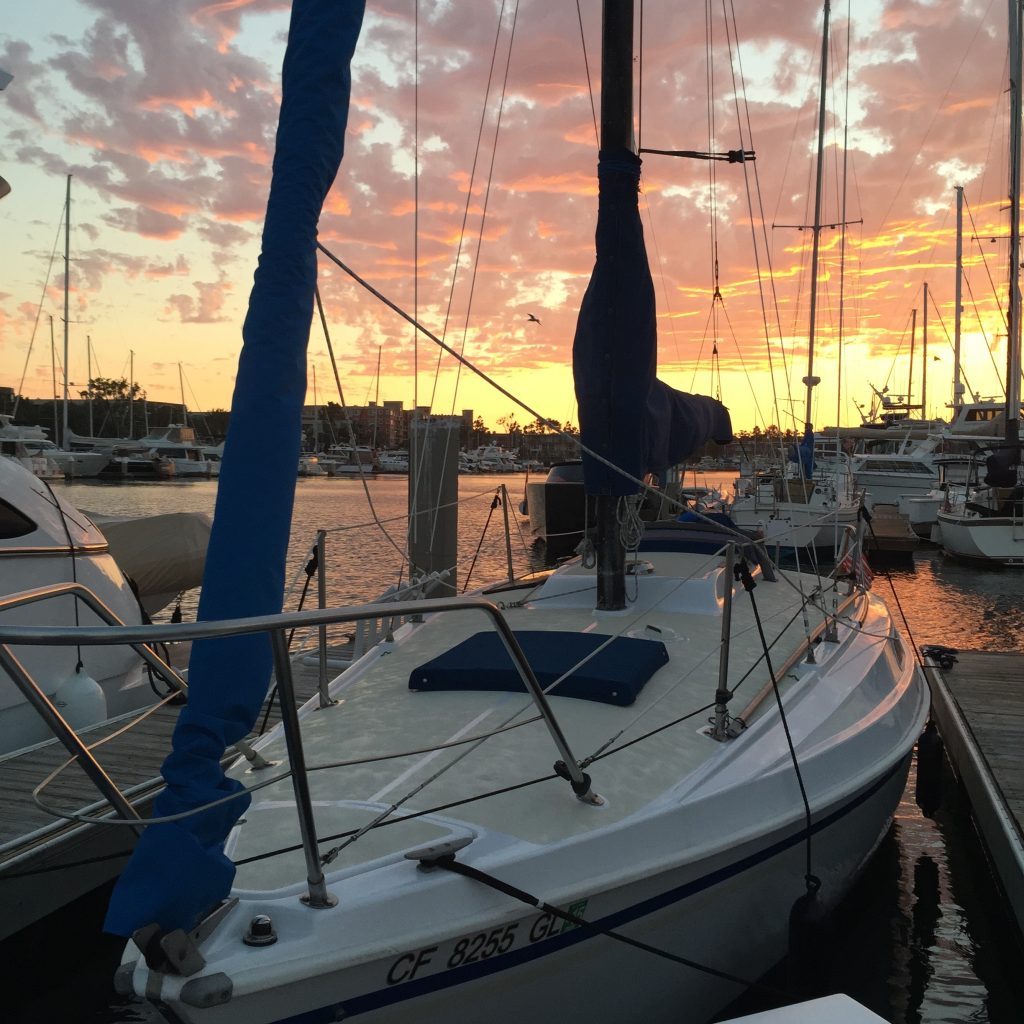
614, 675
161, 554
627, 416
178, 870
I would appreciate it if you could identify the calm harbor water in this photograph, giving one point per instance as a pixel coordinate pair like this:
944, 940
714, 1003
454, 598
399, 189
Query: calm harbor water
924, 937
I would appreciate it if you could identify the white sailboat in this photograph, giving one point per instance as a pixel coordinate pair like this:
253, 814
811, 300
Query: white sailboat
445, 871
984, 520
804, 502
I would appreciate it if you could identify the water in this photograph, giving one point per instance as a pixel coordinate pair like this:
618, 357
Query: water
924, 937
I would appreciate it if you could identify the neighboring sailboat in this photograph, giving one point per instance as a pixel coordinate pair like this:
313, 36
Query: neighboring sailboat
804, 502
446, 814
984, 520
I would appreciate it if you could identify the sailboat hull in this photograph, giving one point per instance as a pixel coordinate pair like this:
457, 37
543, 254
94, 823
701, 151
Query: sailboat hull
699, 849
795, 525
728, 910
996, 540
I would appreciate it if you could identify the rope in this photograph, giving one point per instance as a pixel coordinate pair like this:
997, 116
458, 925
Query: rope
447, 862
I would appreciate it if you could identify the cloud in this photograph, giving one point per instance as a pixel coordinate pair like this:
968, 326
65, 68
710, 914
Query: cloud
205, 307
145, 222
165, 113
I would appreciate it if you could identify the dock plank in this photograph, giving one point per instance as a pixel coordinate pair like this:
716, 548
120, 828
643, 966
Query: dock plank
978, 704
32, 842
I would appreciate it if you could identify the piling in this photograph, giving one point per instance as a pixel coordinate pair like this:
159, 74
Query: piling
433, 499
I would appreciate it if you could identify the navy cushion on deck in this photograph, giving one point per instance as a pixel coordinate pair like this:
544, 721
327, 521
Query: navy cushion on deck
613, 676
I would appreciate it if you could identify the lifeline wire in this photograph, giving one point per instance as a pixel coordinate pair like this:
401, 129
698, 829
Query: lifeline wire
813, 883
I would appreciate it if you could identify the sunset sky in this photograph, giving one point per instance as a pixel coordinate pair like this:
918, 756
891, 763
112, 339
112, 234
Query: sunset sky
164, 112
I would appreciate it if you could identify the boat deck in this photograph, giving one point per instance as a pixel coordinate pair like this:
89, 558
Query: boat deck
890, 533
979, 708
391, 743
47, 862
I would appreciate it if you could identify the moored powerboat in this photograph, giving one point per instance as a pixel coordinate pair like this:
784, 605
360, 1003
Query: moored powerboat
47, 543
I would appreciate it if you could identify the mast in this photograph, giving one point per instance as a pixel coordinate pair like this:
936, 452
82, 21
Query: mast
131, 395
67, 279
316, 415
88, 362
181, 385
958, 388
376, 406
924, 356
810, 380
910, 372
616, 135
53, 377
1013, 332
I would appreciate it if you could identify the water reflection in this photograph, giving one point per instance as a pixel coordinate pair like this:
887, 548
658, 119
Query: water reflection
924, 935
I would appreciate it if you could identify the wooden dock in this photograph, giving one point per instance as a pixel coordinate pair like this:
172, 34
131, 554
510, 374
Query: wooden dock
46, 862
978, 705
890, 533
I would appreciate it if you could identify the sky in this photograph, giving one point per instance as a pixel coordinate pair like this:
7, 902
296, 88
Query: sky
467, 196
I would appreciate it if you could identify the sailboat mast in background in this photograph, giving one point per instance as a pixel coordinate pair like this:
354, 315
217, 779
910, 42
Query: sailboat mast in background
810, 380
1013, 333
958, 388
67, 288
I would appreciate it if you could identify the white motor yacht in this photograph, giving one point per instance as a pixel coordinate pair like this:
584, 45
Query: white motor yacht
45, 543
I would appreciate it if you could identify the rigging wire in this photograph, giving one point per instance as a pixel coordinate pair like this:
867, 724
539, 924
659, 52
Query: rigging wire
740, 88
949, 339
552, 424
348, 421
416, 207
487, 194
470, 190
748, 584
995, 293
842, 224
39, 312
913, 161
586, 67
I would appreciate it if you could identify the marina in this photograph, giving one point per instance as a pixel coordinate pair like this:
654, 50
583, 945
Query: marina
376, 737
880, 952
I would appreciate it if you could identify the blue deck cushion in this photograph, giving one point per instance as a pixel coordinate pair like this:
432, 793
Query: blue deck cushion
615, 675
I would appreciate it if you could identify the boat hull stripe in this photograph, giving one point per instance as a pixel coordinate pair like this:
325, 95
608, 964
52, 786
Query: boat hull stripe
514, 958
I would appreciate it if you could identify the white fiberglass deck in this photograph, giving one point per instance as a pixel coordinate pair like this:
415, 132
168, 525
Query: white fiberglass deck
679, 604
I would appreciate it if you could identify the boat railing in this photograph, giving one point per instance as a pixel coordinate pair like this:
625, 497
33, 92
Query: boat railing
43, 706
144, 637
368, 632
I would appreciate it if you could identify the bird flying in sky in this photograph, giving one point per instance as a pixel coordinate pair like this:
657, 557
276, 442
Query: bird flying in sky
530, 316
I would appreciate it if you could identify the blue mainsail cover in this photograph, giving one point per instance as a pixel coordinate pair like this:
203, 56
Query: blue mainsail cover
802, 453
627, 416
178, 869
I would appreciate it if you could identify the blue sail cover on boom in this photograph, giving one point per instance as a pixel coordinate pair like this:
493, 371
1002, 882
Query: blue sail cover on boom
627, 416
178, 869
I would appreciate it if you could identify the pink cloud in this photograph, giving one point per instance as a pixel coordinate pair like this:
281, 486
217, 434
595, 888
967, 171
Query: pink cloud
205, 307
170, 127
